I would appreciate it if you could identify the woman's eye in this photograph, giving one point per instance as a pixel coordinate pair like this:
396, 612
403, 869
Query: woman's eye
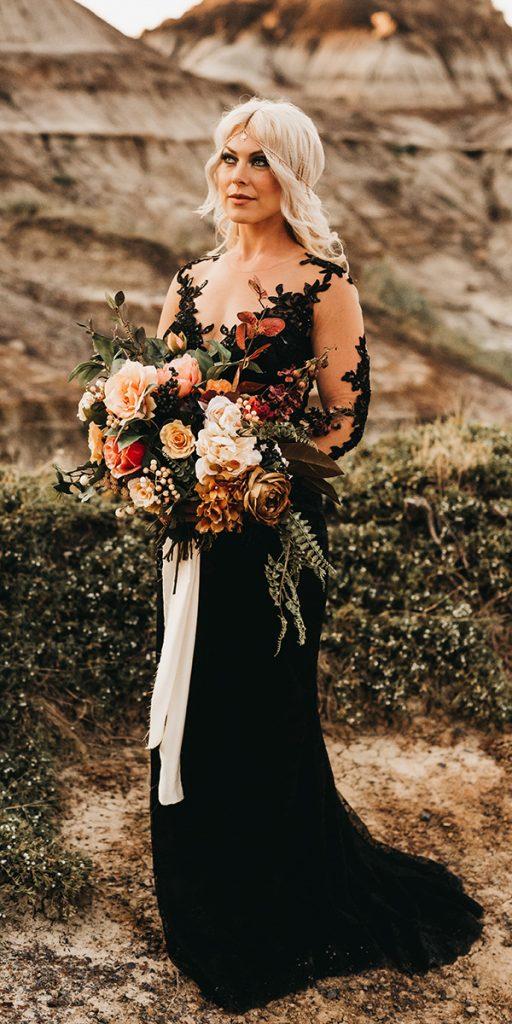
259, 160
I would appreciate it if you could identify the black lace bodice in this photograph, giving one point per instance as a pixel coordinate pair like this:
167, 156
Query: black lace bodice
294, 345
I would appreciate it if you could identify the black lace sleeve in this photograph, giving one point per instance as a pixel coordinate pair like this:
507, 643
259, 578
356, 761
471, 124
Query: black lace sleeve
344, 383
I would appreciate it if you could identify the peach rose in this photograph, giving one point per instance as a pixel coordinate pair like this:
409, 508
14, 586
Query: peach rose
95, 439
189, 373
127, 392
121, 461
177, 439
163, 374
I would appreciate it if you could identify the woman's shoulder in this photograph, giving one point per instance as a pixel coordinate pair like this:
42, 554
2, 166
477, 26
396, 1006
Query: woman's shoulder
186, 267
329, 265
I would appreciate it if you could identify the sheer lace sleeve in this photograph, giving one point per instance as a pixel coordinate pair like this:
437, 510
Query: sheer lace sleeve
344, 384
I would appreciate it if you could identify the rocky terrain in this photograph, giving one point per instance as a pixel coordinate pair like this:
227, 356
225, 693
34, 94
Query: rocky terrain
104, 140
441, 793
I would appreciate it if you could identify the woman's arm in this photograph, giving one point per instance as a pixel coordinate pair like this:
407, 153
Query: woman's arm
169, 308
344, 384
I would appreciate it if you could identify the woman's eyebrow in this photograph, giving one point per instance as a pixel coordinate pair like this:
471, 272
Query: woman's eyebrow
254, 152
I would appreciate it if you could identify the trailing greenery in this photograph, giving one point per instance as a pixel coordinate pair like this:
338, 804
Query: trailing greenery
300, 549
419, 615
421, 608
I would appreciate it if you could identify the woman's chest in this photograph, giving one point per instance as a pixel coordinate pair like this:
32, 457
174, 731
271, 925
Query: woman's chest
214, 312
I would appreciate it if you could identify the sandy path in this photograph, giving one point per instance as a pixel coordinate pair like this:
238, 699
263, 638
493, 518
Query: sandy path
441, 794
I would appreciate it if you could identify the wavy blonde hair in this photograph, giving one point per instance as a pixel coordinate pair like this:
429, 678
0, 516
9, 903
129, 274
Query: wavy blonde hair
291, 143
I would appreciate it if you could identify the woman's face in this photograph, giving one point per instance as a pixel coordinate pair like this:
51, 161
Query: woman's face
244, 170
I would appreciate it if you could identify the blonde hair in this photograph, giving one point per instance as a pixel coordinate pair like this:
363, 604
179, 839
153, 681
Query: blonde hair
293, 148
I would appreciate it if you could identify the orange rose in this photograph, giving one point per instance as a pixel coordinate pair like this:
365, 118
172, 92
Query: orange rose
220, 386
122, 461
95, 439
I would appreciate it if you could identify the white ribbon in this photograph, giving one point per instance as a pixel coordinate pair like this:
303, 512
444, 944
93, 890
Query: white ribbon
170, 693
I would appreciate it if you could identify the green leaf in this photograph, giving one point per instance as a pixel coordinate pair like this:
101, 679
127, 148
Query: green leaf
117, 363
301, 453
119, 299
319, 484
85, 372
105, 348
204, 360
133, 434
219, 348
110, 300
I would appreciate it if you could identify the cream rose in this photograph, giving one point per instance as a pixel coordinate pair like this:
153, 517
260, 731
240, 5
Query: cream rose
220, 452
225, 413
177, 439
143, 494
84, 406
189, 373
95, 440
127, 392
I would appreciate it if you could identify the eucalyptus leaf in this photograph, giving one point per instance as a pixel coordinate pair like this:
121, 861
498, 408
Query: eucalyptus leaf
215, 371
216, 346
204, 360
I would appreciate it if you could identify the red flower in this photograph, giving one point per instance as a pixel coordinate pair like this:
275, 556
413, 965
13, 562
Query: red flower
122, 461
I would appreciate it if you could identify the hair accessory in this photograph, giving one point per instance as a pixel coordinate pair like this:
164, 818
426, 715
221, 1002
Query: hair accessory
244, 135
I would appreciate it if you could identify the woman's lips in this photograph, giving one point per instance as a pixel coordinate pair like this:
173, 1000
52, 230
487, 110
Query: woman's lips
241, 199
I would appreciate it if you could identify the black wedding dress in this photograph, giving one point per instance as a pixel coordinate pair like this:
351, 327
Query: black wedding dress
266, 879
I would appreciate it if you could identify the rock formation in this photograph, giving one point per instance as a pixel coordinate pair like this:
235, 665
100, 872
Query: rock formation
104, 140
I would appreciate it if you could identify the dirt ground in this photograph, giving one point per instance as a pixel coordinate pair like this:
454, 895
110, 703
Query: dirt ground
441, 792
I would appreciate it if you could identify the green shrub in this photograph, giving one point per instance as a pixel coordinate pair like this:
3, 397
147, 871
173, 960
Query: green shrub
78, 611
421, 607
419, 615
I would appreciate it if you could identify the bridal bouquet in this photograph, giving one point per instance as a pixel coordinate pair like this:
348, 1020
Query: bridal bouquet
198, 442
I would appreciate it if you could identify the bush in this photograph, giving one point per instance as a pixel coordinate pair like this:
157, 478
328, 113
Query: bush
78, 609
419, 614
421, 607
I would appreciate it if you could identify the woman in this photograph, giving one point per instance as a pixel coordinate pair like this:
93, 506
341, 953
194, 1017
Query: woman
266, 879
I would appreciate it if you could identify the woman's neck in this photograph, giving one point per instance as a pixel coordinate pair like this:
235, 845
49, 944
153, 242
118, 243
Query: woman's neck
265, 242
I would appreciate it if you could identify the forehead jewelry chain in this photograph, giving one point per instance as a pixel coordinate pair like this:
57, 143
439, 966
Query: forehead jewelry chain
245, 135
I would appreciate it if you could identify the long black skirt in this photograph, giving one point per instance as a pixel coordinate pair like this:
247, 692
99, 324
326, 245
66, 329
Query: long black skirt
265, 878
